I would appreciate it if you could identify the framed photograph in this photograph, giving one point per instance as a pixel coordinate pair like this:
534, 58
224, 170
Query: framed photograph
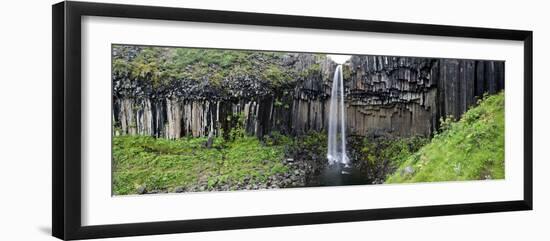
169, 120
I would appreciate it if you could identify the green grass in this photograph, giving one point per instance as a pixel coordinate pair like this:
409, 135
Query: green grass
394, 150
162, 164
469, 149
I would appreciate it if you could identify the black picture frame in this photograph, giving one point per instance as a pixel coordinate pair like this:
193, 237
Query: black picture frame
66, 127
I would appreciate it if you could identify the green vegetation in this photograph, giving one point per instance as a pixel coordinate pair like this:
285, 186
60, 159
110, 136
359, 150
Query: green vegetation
395, 150
312, 143
346, 72
222, 58
469, 149
314, 69
311, 146
160, 66
383, 155
277, 76
161, 164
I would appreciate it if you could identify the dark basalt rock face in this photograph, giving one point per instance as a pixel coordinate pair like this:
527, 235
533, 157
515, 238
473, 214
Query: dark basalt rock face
401, 95
409, 95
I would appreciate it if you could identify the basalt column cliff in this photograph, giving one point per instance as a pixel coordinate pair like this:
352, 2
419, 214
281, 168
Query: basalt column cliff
409, 95
289, 93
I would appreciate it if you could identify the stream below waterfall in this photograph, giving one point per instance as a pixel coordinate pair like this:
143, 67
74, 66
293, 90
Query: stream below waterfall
338, 175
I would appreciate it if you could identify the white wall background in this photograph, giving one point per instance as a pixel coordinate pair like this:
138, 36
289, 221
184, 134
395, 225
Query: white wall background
25, 119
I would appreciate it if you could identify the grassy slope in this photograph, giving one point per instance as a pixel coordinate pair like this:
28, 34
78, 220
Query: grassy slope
470, 149
162, 164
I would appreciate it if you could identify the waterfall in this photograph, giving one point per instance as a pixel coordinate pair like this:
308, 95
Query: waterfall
337, 122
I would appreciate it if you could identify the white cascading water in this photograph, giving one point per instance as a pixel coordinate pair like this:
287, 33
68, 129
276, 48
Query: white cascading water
337, 122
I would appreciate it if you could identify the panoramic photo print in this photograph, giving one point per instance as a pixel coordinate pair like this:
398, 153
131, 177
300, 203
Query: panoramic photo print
200, 120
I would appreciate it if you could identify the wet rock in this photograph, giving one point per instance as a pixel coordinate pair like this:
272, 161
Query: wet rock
142, 189
179, 189
210, 140
408, 170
